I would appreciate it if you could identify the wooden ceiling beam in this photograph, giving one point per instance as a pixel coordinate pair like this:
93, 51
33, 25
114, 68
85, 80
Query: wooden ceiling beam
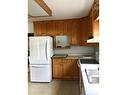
30, 16
44, 6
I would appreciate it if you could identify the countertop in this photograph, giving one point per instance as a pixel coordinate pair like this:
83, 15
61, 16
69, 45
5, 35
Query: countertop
74, 56
90, 89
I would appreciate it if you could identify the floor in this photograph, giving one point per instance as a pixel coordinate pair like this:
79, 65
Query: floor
56, 87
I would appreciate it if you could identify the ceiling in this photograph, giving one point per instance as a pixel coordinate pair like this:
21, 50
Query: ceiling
35, 10
61, 9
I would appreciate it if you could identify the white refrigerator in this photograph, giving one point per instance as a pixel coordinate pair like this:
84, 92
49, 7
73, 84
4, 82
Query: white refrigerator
41, 51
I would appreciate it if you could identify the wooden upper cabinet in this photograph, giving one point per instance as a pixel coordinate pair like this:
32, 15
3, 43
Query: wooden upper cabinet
40, 28
94, 13
86, 32
96, 27
90, 22
75, 33
93, 24
49, 28
68, 29
44, 28
37, 28
75, 29
59, 27
95, 9
85, 28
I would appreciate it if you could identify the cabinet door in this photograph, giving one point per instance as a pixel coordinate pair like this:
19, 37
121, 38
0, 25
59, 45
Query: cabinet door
57, 68
68, 69
96, 9
95, 14
75, 33
43, 29
37, 28
96, 28
40, 28
90, 23
85, 30
59, 27
49, 26
76, 69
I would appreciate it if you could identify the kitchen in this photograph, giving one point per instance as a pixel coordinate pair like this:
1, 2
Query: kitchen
75, 47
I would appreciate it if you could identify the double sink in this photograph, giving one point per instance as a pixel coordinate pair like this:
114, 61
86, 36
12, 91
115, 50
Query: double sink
91, 73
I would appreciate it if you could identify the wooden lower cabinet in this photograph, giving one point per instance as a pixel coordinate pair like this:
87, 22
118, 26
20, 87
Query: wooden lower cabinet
65, 69
68, 69
57, 68
76, 70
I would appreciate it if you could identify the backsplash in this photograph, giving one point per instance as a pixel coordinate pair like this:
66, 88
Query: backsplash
97, 53
96, 49
75, 50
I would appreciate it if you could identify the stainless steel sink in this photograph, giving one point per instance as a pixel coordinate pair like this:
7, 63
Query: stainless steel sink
92, 75
93, 79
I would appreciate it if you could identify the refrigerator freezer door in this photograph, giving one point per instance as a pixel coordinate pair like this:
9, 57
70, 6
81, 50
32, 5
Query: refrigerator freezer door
40, 73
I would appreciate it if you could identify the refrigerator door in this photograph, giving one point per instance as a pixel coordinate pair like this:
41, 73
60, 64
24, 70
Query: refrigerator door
40, 73
38, 50
49, 46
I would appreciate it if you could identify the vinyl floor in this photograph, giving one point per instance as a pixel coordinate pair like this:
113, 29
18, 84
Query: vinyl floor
56, 87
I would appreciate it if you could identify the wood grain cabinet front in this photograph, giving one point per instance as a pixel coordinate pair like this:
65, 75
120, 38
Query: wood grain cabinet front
75, 33
68, 69
78, 30
94, 23
65, 69
57, 68
70, 28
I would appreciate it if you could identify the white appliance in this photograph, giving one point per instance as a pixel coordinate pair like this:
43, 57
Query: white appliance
41, 51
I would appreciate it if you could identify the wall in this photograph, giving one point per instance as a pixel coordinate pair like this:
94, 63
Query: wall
30, 27
75, 49
96, 50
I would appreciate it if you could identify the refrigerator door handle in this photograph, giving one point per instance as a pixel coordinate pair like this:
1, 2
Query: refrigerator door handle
38, 67
46, 50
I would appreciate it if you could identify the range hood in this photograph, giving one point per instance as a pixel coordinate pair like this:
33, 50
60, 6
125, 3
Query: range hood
95, 30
